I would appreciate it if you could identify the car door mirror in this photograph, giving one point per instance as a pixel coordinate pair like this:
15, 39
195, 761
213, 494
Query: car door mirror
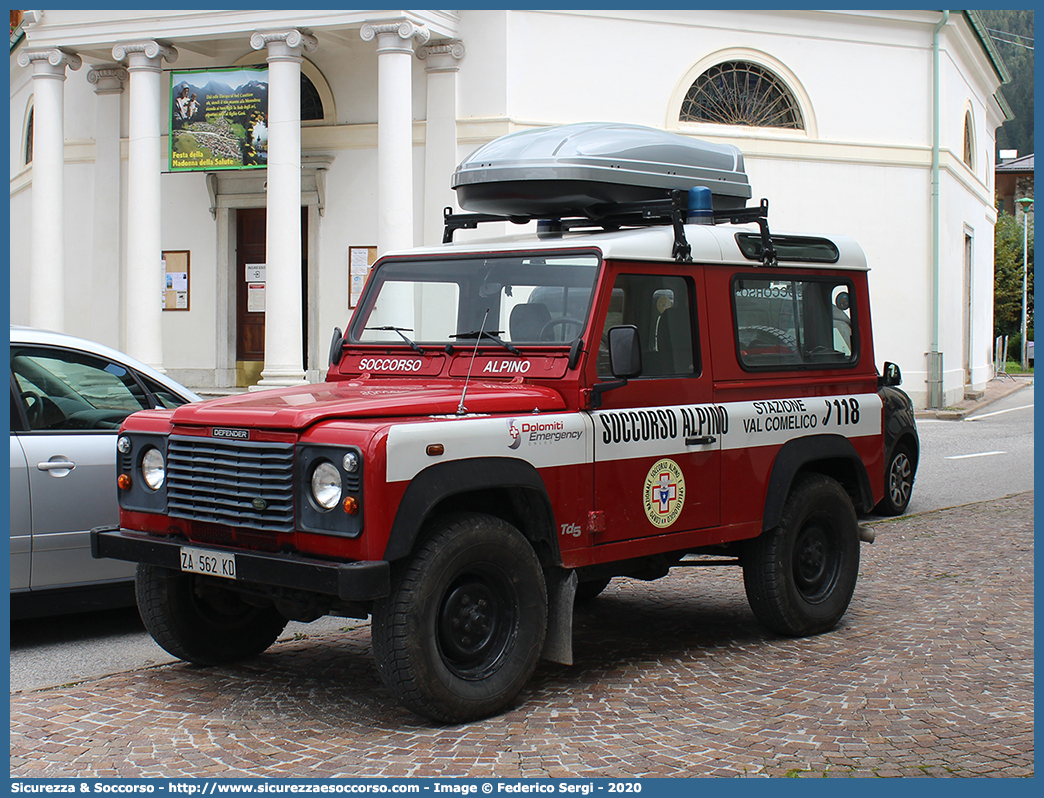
625, 352
891, 376
336, 346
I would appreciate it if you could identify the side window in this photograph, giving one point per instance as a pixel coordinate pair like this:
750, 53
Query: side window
17, 423
164, 397
660, 307
785, 322
66, 390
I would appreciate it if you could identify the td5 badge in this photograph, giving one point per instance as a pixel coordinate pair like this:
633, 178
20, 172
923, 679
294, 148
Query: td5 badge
664, 493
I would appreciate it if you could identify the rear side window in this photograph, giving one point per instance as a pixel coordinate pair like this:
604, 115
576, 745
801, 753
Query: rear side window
788, 322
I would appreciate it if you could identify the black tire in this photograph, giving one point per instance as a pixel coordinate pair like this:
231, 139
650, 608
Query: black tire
800, 575
464, 625
899, 479
588, 591
205, 627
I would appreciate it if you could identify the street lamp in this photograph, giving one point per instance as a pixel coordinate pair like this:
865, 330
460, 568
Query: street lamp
1025, 202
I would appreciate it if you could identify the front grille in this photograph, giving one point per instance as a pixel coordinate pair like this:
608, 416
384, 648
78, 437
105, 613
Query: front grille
239, 483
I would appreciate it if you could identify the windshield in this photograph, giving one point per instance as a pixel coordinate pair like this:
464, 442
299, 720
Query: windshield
509, 299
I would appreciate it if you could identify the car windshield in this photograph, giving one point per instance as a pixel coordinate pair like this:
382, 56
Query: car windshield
496, 300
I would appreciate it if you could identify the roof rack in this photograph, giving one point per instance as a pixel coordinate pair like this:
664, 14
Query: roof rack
675, 209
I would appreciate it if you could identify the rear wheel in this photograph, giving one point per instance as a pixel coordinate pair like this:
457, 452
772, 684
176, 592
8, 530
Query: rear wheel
201, 623
464, 625
800, 575
899, 480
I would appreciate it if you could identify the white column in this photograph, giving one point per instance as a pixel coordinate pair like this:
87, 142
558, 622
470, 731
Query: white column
283, 304
104, 287
144, 288
394, 129
442, 62
47, 227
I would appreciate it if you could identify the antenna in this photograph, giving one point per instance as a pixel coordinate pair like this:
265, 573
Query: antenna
461, 410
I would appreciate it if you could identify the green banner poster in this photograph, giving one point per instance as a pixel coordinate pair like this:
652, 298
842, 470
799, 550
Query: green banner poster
219, 119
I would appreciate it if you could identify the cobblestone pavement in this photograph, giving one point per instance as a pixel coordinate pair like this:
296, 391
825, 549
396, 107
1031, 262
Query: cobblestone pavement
929, 674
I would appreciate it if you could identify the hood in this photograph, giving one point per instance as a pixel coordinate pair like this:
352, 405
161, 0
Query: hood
301, 407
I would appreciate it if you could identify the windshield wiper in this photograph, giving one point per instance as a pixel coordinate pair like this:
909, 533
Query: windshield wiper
399, 330
477, 334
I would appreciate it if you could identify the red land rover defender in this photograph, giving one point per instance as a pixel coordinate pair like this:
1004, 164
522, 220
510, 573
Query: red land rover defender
508, 424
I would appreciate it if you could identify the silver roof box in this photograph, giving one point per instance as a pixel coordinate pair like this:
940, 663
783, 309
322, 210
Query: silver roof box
566, 170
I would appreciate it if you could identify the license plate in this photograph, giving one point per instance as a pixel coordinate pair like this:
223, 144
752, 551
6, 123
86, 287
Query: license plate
209, 563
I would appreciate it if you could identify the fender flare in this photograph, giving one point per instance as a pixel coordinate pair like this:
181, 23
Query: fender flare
899, 423
444, 480
794, 455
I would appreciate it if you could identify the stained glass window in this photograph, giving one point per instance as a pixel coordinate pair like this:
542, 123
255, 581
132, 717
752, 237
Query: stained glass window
968, 140
741, 93
29, 139
311, 102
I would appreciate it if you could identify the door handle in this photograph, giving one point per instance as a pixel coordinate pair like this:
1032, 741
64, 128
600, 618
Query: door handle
54, 466
703, 441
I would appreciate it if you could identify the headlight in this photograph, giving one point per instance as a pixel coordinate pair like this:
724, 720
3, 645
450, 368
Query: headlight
153, 469
326, 485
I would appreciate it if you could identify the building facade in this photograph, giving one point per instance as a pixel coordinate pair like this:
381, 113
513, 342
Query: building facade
1014, 183
879, 125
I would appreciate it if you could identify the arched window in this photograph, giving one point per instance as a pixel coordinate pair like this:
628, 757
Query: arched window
969, 140
741, 93
317, 100
29, 139
311, 102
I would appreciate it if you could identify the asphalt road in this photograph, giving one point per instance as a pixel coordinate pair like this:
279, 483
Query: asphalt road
987, 456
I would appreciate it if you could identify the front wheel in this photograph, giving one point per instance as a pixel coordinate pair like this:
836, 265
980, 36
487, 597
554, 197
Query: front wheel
800, 576
201, 623
464, 625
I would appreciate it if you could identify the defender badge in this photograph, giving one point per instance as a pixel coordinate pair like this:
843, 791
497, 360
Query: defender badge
234, 434
664, 493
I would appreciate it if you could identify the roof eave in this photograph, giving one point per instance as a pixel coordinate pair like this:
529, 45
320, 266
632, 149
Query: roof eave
977, 26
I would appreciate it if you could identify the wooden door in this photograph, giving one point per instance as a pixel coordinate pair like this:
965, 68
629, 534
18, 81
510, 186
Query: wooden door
250, 292
250, 315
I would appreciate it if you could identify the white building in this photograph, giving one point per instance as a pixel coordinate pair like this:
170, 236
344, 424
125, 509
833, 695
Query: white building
875, 124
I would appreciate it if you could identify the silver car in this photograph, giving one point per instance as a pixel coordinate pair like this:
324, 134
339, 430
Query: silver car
68, 398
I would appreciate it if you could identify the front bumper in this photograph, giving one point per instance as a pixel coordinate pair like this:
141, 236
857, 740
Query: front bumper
352, 581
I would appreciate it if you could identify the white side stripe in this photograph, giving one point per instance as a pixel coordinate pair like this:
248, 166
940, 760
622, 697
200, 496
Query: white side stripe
565, 439
559, 439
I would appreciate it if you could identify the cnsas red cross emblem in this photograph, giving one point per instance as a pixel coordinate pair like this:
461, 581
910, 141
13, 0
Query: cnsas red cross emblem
664, 493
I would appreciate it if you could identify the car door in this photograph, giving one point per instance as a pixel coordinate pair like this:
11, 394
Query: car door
657, 439
72, 404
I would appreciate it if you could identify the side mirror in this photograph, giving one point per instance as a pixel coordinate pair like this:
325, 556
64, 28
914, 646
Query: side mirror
336, 346
625, 352
891, 376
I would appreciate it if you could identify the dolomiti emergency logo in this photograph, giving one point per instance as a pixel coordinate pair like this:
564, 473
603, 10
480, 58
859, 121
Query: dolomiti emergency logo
536, 431
664, 493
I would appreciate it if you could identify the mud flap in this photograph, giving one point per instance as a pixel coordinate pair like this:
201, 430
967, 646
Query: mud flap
561, 592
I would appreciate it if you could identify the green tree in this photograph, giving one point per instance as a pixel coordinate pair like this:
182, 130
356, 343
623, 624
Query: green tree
1012, 35
1007, 276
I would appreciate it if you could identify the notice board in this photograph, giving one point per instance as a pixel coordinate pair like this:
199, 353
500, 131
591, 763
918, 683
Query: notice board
176, 280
